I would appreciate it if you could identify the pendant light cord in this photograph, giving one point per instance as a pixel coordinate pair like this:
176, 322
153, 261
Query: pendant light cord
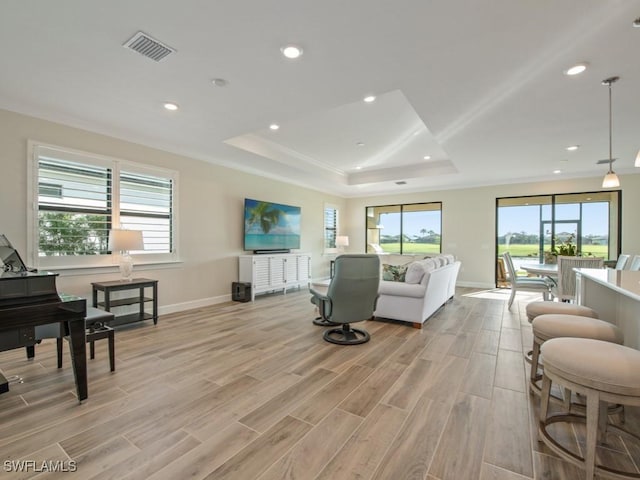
610, 130
610, 81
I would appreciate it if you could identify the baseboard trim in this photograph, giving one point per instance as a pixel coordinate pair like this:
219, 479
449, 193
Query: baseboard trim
475, 285
207, 302
203, 302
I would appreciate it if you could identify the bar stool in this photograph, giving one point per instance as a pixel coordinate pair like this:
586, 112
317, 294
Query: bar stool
549, 326
534, 309
604, 372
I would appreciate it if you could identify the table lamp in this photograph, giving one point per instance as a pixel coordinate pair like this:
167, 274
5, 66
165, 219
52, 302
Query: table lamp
125, 241
341, 242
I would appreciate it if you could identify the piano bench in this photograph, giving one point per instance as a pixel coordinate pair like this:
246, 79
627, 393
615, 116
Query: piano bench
97, 326
97, 329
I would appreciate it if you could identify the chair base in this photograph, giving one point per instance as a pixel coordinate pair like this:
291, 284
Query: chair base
346, 335
323, 322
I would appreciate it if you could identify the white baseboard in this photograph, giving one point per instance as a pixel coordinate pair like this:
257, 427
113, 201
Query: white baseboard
475, 285
203, 302
206, 302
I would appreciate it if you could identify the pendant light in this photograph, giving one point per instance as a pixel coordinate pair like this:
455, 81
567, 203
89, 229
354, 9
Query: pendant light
610, 179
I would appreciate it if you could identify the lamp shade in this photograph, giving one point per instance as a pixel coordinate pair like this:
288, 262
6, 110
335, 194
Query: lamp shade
637, 164
610, 180
125, 240
342, 241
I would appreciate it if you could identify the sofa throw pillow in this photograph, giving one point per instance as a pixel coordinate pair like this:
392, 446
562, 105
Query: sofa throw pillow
394, 273
415, 272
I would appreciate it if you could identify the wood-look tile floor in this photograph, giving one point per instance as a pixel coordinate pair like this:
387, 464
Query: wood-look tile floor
251, 391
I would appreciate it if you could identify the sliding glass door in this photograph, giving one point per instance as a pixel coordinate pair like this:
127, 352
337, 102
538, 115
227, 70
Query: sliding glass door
414, 228
535, 229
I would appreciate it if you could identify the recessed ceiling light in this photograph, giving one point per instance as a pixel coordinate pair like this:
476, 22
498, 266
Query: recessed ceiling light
274, 126
369, 98
573, 147
427, 157
576, 69
219, 82
557, 171
171, 106
291, 51
401, 182
358, 168
360, 144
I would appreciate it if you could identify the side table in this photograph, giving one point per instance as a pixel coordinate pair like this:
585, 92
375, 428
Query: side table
140, 299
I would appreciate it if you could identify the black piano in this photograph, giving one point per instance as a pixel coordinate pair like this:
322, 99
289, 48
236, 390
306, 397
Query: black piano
28, 299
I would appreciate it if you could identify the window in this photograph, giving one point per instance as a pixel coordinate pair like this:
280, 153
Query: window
79, 197
330, 227
536, 229
414, 228
146, 204
49, 190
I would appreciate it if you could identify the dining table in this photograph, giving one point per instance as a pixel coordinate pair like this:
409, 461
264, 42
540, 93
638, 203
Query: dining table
541, 269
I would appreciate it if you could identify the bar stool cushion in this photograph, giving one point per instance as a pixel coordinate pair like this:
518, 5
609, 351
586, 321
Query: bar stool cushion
595, 364
542, 308
550, 326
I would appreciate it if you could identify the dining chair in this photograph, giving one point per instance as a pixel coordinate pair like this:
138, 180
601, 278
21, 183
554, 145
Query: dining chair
622, 262
566, 283
635, 263
525, 284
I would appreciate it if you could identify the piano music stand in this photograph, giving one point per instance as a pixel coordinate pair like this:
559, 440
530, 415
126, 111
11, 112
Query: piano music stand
9, 256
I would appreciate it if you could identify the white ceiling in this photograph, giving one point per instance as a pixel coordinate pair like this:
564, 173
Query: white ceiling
476, 85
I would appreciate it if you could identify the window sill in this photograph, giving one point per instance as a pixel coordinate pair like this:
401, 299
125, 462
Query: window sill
75, 270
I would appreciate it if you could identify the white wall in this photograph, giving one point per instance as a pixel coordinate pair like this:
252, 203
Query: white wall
210, 212
468, 219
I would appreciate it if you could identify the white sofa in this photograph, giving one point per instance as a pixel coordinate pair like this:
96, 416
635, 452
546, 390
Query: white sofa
429, 284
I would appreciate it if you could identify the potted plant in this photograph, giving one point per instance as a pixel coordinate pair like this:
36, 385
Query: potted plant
567, 248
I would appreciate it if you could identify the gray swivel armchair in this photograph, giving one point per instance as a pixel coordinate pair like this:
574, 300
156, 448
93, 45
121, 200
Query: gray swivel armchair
351, 297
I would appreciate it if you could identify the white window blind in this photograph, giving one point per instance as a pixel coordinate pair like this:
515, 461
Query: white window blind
146, 204
74, 219
79, 197
330, 227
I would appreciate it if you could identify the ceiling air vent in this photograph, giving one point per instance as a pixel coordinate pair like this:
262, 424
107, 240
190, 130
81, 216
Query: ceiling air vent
401, 182
149, 47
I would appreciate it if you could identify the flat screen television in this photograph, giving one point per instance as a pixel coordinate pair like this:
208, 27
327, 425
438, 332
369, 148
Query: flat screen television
270, 226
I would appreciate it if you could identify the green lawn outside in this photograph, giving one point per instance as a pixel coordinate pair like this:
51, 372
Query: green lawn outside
410, 248
532, 250
515, 250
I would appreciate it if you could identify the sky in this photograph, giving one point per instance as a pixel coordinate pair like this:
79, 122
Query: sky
595, 216
526, 218
413, 223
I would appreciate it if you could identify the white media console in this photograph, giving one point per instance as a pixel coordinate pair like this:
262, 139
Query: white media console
278, 271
